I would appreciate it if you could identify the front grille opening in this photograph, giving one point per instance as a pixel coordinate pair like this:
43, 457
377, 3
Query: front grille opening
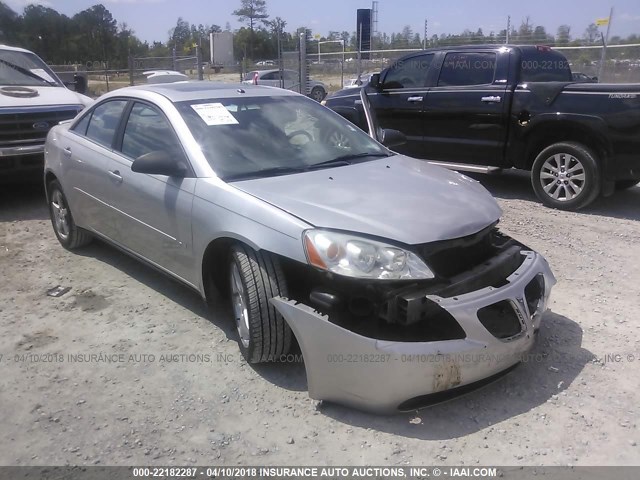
402, 320
448, 258
533, 293
500, 319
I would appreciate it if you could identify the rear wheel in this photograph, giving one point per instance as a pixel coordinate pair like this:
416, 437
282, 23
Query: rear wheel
625, 184
317, 93
566, 176
69, 235
255, 277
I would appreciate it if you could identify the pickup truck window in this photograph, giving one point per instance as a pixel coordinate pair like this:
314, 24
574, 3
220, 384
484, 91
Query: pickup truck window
544, 66
409, 73
476, 68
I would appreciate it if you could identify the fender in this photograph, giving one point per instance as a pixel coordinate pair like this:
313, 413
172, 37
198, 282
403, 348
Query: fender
532, 134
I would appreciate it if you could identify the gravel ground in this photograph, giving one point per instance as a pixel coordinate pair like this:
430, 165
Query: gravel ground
572, 406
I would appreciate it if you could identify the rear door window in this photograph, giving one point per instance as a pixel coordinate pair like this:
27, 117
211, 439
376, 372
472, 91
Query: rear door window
467, 68
104, 122
544, 65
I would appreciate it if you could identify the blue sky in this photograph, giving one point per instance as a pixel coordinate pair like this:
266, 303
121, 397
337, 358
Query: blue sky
152, 19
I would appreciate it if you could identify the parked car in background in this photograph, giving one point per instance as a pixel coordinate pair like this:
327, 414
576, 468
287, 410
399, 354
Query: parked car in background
290, 81
363, 79
583, 78
32, 100
493, 107
313, 230
165, 76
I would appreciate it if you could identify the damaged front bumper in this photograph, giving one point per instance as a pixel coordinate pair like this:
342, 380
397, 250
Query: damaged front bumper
389, 376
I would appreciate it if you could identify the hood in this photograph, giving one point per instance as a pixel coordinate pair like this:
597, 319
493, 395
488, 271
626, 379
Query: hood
397, 198
46, 96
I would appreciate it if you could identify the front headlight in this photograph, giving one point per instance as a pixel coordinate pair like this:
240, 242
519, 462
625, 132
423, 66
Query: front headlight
359, 257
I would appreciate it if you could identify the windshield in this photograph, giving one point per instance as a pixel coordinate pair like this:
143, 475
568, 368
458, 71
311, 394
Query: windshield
265, 136
25, 69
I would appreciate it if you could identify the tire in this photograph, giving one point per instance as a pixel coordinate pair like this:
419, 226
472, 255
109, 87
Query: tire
254, 278
317, 94
566, 176
68, 233
626, 184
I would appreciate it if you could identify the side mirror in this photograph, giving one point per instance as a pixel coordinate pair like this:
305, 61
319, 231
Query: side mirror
374, 82
159, 162
595, 79
80, 84
392, 138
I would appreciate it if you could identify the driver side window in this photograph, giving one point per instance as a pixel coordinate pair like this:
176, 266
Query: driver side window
409, 73
147, 130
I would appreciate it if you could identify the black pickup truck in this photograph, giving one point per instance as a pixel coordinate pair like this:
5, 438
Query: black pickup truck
488, 108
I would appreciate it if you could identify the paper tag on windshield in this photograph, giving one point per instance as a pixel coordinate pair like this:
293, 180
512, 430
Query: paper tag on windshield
214, 114
42, 74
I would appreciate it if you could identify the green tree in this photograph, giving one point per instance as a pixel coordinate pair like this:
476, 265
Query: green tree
563, 35
9, 24
250, 12
591, 34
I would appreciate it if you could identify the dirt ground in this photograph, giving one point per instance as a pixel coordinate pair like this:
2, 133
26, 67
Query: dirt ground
196, 402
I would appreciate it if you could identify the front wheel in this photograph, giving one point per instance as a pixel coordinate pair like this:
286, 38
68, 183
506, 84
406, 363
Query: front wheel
566, 176
255, 277
68, 233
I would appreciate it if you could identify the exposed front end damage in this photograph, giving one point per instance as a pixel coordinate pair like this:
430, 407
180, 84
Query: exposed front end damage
490, 319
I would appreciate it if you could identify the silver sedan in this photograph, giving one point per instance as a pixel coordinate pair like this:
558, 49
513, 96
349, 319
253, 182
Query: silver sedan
389, 274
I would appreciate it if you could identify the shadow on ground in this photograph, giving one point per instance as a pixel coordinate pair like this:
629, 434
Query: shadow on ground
555, 361
219, 313
517, 185
25, 201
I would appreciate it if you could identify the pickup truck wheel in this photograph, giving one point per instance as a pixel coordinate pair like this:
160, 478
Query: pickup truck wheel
69, 235
566, 176
625, 184
255, 277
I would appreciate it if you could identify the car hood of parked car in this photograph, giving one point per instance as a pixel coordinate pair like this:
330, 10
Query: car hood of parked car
397, 198
41, 97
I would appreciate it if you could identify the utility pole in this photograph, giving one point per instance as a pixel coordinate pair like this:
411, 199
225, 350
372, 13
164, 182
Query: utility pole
508, 28
605, 42
424, 40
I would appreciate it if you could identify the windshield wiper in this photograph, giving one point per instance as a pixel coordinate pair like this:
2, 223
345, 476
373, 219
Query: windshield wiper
26, 72
344, 160
267, 172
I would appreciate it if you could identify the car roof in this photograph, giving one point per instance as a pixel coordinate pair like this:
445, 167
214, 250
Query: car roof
14, 49
199, 90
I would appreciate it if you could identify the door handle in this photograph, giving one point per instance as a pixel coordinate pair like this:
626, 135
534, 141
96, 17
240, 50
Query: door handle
492, 99
115, 174
67, 152
414, 99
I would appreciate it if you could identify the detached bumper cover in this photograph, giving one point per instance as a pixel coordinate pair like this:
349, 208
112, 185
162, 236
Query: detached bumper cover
379, 376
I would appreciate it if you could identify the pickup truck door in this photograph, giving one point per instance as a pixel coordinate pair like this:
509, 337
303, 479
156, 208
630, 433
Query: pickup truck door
399, 102
466, 112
